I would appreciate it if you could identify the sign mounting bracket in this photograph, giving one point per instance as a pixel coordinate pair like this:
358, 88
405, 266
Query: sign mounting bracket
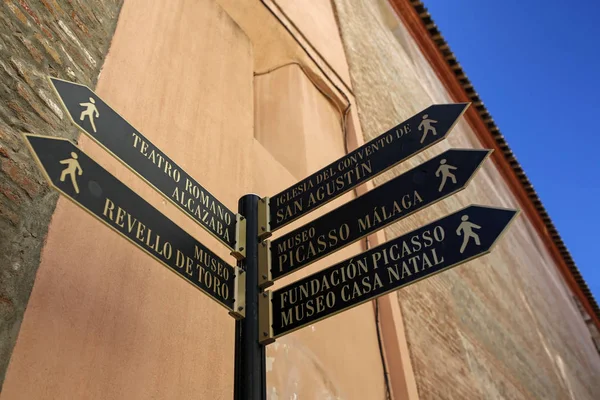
265, 318
265, 278
264, 218
239, 251
239, 306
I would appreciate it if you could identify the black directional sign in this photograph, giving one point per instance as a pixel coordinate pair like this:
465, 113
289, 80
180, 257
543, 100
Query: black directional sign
410, 192
392, 147
127, 144
422, 253
87, 184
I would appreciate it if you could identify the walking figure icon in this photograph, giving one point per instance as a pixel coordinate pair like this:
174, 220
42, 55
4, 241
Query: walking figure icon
73, 168
466, 228
89, 112
444, 170
426, 126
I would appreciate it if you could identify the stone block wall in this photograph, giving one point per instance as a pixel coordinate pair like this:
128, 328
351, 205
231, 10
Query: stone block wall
501, 326
67, 39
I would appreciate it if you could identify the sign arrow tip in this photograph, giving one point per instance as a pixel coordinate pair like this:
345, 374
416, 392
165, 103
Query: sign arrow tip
503, 217
59, 82
465, 106
38, 146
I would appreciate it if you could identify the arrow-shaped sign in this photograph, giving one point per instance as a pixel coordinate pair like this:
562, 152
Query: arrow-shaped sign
398, 198
412, 136
422, 253
87, 184
128, 145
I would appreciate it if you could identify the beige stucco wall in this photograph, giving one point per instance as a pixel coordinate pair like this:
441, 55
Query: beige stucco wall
104, 320
321, 360
505, 325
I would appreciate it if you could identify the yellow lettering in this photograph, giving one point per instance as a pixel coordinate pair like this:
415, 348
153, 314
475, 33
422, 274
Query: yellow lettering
286, 318
140, 231
120, 216
109, 207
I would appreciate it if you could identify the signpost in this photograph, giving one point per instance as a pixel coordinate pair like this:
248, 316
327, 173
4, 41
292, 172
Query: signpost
107, 128
87, 184
263, 316
422, 253
398, 198
410, 137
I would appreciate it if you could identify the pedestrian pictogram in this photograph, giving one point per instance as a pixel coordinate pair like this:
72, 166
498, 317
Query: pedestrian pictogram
426, 126
444, 170
91, 111
466, 227
73, 168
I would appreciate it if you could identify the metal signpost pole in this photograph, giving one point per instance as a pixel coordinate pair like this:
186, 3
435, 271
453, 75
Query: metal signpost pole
250, 363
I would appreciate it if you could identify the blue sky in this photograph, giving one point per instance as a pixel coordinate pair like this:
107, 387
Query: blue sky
536, 67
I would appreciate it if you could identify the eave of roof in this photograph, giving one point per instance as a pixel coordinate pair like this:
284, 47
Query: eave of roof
425, 32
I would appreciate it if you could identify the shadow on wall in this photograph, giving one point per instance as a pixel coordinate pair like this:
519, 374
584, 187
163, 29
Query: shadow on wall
294, 372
